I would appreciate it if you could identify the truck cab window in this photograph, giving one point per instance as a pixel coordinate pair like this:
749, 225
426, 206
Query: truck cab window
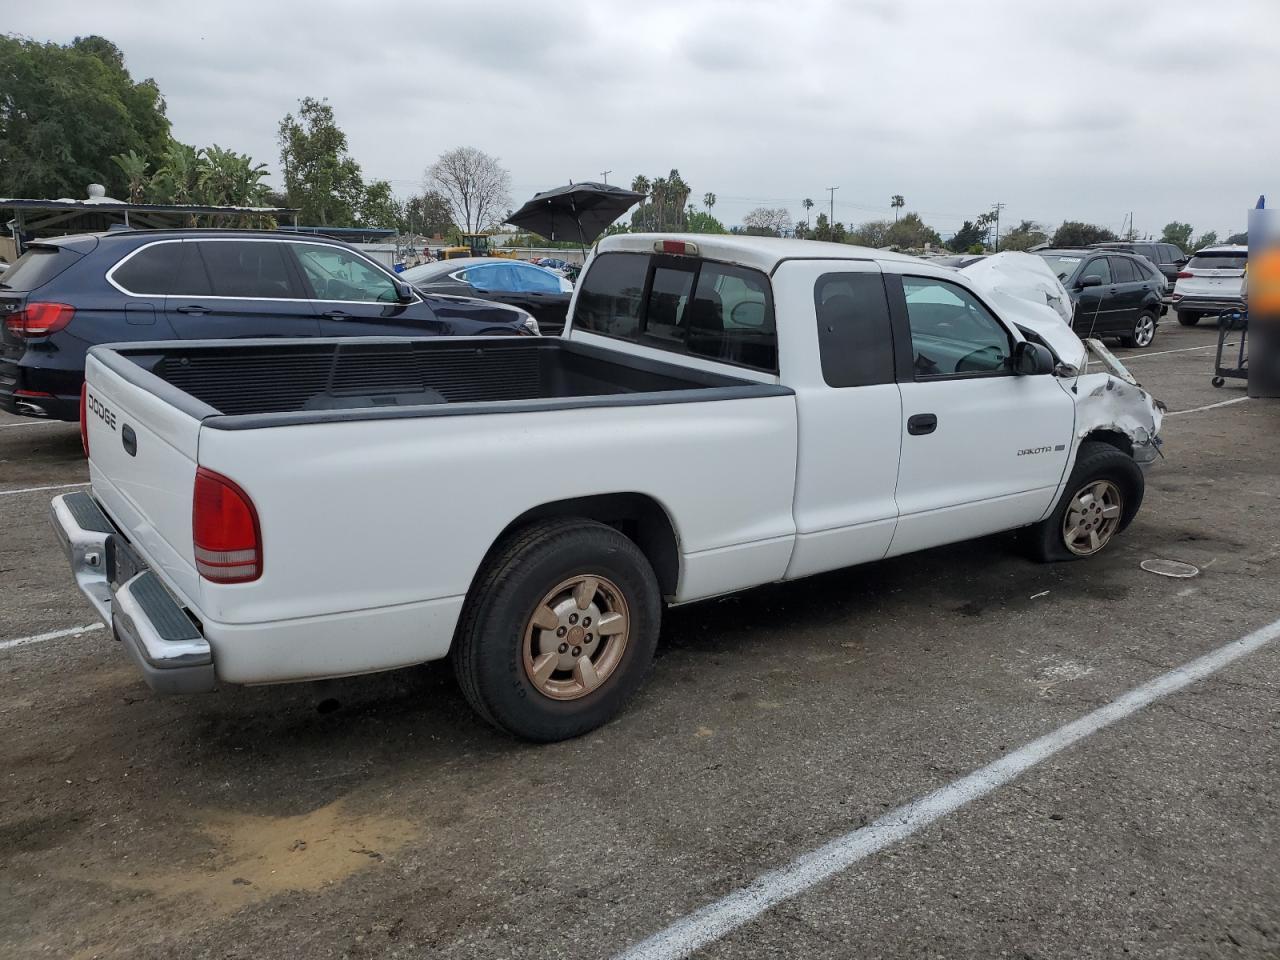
855, 336
610, 295
952, 333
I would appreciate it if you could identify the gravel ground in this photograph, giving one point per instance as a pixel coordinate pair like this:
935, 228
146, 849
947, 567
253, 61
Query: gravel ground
252, 823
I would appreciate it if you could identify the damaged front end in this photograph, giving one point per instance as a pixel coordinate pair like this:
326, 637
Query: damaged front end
1114, 402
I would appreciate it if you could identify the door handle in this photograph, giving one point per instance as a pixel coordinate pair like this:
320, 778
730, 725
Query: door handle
336, 315
194, 309
921, 423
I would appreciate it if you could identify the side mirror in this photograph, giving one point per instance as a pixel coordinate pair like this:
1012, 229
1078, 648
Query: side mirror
1032, 359
1092, 280
404, 292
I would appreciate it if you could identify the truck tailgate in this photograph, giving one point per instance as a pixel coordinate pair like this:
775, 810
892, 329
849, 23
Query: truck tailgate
142, 464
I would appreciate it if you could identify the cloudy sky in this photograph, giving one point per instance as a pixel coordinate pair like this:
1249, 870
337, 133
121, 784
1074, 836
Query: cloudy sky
1079, 109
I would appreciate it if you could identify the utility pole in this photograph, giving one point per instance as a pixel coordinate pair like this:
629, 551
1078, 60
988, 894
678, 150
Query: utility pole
998, 207
831, 217
604, 175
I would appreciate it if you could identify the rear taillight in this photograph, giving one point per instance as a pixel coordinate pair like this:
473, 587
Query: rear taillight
84, 421
1184, 274
224, 525
39, 319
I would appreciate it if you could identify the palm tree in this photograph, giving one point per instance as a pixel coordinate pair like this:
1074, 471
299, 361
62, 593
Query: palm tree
897, 203
709, 201
641, 185
232, 179
134, 169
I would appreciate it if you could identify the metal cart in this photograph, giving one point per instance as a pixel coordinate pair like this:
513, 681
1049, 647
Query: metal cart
1229, 322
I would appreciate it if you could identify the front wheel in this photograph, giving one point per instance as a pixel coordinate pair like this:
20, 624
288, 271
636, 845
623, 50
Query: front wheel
1144, 331
1101, 498
558, 629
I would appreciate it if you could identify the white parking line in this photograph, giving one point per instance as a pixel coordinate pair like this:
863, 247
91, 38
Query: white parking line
727, 914
1208, 406
60, 486
51, 635
31, 423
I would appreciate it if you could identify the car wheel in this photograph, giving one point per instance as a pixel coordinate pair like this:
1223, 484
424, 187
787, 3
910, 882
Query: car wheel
1144, 331
1102, 496
558, 629
1187, 318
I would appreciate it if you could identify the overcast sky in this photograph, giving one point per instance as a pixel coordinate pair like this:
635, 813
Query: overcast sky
1080, 109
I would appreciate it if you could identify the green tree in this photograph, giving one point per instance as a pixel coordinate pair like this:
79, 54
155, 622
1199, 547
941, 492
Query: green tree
967, 236
897, 202
319, 177
428, 214
1206, 239
1074, 233
700, 221
709, 200
230, 179
177, 178
66, 111
822, 228
1179, 234
134, 169
873, 233
912, 233
380, 208
1240, 238
1024, 236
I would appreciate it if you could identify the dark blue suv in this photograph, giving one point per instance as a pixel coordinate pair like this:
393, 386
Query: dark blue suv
64, 296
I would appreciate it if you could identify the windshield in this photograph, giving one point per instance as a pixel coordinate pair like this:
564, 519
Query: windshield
1062, 265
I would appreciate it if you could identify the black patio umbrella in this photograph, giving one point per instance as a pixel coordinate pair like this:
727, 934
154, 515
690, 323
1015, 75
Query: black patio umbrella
580, 211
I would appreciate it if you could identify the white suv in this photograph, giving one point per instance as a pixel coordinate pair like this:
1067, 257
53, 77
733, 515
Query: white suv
1211, 282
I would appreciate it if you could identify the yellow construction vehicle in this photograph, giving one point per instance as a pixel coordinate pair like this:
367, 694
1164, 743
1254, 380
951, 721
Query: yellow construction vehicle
474, 245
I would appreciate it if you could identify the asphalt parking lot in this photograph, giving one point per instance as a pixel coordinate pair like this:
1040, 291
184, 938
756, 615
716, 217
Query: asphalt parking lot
376, 817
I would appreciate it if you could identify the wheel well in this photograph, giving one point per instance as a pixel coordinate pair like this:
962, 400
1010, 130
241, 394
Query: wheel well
1113, 437
636, 516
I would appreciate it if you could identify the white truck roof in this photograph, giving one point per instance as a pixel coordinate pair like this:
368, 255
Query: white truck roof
762, 253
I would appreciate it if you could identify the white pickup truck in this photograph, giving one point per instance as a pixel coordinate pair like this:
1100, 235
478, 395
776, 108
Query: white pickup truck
721, 412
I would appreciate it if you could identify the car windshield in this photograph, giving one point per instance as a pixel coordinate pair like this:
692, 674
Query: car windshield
1062, 264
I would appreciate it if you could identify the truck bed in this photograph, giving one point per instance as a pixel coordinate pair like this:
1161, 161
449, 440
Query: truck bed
240, 384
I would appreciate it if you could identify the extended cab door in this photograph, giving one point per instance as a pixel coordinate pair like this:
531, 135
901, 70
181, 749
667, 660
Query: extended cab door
848, 408
983, 449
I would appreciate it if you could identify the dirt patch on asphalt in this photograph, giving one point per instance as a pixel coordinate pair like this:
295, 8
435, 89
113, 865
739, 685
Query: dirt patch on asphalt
254, 857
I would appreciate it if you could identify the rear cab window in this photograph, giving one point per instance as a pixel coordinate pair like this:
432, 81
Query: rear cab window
855, 334
40, 264
701, 308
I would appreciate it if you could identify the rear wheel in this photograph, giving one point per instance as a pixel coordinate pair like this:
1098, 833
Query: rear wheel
558, 630
1187, 318
1144, 331
1101, 497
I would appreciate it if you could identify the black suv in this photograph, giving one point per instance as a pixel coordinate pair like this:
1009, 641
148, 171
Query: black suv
1167, 257
64, 296
1113, 294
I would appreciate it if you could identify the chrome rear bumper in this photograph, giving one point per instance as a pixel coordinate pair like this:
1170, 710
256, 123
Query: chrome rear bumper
167, 646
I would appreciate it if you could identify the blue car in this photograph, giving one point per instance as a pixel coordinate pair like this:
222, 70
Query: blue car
66, 295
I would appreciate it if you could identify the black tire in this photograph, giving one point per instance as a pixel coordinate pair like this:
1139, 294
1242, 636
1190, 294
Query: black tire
1217, 381
1187, 318
1135, 339
488, 649
1095, 461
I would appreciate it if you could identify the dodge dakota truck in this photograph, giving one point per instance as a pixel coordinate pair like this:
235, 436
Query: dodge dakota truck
721, 412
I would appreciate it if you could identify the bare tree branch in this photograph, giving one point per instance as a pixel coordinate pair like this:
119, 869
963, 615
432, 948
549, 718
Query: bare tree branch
474, 185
